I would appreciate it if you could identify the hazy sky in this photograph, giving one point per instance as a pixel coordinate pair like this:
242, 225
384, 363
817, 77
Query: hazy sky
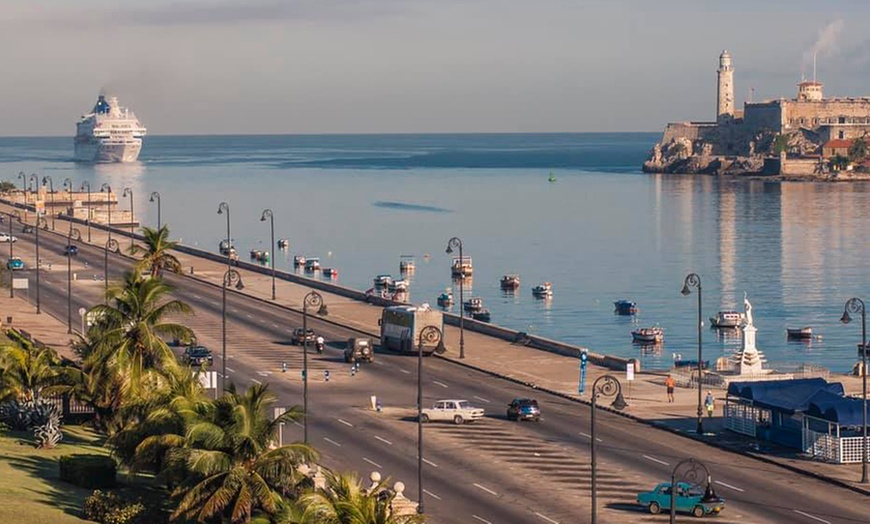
366, 66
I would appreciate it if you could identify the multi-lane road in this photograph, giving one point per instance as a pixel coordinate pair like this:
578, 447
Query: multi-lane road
493, 471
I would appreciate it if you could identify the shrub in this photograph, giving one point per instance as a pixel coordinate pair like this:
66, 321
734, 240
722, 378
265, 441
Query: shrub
109, 508
89, 471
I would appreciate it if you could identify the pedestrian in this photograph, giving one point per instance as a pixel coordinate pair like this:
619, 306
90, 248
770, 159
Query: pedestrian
709, 403
670, 384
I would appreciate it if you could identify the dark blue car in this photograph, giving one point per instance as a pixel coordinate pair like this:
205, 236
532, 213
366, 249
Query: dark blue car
524, 409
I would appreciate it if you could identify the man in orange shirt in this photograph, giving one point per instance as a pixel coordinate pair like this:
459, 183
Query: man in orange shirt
670, 384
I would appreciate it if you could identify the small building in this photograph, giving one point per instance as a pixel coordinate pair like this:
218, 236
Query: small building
833, 429
836, 147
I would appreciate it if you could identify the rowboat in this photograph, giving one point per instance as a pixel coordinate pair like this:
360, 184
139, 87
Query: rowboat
649, 335
804, 332
544, 290
510, 282
728, 320
625, 307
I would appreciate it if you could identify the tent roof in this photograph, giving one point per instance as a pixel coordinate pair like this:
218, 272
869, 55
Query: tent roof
841, 410
784, 395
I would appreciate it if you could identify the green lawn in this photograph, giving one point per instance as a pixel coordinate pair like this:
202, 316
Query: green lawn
31, 491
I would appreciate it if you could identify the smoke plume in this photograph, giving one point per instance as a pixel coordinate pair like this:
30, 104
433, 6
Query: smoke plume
827, 44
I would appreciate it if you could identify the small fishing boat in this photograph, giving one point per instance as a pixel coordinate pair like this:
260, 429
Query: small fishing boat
728, 320
382, 280
625, 307
256, 254
298, 261
225, 248
330, 272
445, 299
473, 304
544, 290
283, 243
312, 264
510, 282
407, 264
482, 315
800, 333
648, 335
462, 267
552, 177
398, 285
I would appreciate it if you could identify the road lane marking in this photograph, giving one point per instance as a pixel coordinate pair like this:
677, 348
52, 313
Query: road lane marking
255, 381
587, 435
264, 373
430, 463
274, 325
231, 370
373, 463
662, 462
812, 516
334, 443
434, 496
735, 488
250, 316
481, 519
442, 384
481, 399
384, 440
197, 297
346, 423
548, 519
486, 489
405, 371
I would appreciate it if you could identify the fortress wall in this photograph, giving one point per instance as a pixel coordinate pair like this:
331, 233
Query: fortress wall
800, 167
766, 115
680, 130
830, 111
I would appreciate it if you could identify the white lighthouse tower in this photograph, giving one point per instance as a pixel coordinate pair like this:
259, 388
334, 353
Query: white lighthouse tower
725, 91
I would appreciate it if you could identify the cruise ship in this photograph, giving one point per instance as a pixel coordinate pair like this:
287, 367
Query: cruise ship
109, 133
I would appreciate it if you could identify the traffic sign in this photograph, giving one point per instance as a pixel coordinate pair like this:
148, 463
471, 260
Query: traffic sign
82, 311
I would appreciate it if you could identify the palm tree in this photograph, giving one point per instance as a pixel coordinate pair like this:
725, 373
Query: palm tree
233, 470
133, 332
858, 150
344, 500
27, 371
156, 253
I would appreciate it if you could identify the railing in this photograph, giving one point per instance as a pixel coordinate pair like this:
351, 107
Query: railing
741, 418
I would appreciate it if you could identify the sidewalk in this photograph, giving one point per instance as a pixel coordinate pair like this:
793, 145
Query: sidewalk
546, 371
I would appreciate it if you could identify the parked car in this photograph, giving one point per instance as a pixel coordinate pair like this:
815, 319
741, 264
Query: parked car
359, 349
689, 499
524, 409
457, 411
300, 335
5, 237
71, 250
14, 263
197, 356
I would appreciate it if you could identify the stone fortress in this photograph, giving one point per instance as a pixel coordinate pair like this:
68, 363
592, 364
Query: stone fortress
743, 142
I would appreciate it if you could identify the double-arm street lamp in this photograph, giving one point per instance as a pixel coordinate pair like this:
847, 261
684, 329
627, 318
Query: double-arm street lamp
223, 207
87, 185
428, 335
692, 472
129, 192
108, 189
111, 245
11, 254
47, 178
231, 278
693, 280
855, 306
455, 242
155, 197
312, 299
23, 176
73, 235
605, 386
40, 223
267, 213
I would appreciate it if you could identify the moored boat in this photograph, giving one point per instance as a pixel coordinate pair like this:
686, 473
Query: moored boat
330, 272
510, 282
544, 290
283, 243
312, 264
298, 261
407, 264
226, 249
399, 285
382, 281
800, 333
648, 335
625, 307
728, 319
473, 304
462, 267
482, 315
445, 299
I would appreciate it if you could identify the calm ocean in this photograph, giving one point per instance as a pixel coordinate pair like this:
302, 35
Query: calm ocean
602, 231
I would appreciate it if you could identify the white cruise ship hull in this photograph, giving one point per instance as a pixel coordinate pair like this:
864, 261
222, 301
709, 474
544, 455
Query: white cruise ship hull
108, 151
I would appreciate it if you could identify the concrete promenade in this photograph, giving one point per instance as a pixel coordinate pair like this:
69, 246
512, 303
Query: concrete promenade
547, 371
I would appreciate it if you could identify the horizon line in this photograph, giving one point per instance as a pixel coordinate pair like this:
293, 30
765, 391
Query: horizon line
436, 133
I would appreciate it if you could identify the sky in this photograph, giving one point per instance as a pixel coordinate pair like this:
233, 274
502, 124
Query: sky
406, 66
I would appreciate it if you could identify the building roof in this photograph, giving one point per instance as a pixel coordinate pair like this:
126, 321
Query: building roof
785, 395
837, 143
833, 408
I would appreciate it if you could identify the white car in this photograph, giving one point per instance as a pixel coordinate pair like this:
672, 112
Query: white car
457, 411
4, 237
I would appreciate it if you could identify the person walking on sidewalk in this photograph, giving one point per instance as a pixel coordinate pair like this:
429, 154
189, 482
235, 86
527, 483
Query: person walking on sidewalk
709, 403
670, 384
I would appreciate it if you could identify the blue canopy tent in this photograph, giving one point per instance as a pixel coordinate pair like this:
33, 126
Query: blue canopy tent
833, 428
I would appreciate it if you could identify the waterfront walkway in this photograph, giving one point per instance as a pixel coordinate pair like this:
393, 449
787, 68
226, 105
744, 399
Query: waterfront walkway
547, 371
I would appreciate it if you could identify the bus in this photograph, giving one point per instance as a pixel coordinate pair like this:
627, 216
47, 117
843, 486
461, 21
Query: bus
401, 326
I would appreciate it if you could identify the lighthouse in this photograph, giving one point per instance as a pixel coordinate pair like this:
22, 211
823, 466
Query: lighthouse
725, 91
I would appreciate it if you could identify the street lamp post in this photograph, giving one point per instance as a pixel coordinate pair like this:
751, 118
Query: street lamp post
39, 223
87, 185
430, 335
23, 176
223, 207
312, 299
455, 242
853, 306
692, 472
73, 235
68, 186
231, 278
47, 178
605, 386
693, 280
129, 192
268, 213
111, 245
11, 254
155, 196
108, 189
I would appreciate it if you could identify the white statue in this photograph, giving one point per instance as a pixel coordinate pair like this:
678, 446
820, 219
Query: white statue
747, 310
